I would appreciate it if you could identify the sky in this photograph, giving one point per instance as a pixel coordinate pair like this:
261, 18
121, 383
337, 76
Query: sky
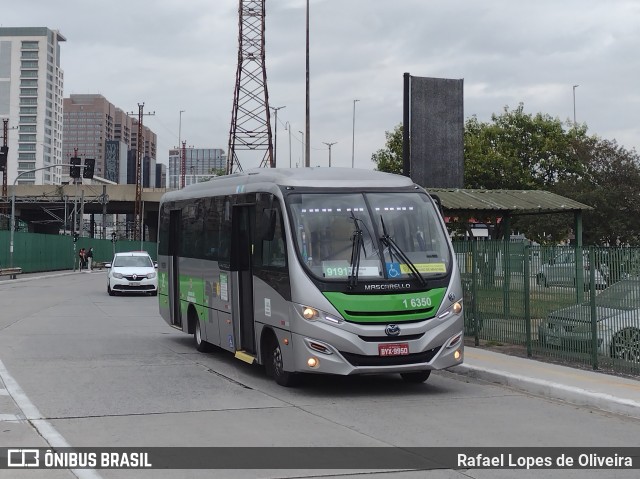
175, 55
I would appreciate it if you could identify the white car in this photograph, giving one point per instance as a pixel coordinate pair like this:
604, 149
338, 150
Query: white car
132, 272
561, 271
617, 311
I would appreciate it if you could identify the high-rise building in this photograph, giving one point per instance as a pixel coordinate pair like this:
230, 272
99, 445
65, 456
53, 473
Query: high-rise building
92, 124
31, 93
200, 165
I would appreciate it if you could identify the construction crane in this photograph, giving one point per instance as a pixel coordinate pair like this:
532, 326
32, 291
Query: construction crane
250, 120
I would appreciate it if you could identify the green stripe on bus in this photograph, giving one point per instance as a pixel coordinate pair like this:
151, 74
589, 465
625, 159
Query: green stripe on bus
386, 308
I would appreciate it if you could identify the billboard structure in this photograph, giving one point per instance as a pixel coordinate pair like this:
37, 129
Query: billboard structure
433, 148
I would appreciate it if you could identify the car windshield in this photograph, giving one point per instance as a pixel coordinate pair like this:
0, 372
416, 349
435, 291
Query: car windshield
622, 295
132, 261
335, 231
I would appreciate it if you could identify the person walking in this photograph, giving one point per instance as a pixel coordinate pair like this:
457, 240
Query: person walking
82, 257
89, 256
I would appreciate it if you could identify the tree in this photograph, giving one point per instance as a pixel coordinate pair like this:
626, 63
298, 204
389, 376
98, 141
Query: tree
389, 159
519, 151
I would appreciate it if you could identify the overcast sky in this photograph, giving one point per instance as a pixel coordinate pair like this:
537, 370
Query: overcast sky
182, 55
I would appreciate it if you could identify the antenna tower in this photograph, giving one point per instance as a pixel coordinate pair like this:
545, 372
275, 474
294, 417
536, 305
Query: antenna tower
250, 120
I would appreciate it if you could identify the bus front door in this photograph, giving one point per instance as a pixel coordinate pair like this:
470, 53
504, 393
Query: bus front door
242, 234
175, 218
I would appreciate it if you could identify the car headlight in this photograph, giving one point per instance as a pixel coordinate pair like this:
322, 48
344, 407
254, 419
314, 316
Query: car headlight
455, 308
312, 314
118, 275
151, 275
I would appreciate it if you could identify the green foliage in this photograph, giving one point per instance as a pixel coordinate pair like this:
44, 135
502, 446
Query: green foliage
518, 151
389, 159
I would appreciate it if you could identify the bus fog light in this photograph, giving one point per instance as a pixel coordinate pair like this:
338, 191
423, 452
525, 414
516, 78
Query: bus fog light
313, 362
457, 355
457, 307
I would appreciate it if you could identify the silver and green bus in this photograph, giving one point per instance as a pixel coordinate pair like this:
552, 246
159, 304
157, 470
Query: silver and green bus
313, 270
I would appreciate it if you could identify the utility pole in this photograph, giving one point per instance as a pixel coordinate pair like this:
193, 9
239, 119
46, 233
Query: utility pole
137, 233
330, 145
4, 164
307, 158
275, 135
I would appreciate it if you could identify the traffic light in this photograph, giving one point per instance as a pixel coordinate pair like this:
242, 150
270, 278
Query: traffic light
89, 166
4, 152
75, 237
74, 169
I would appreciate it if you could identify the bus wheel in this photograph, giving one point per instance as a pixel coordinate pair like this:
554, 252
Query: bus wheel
201, 345
416, 377
275, 366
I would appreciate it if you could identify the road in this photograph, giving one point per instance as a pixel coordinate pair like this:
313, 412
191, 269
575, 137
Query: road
90, 370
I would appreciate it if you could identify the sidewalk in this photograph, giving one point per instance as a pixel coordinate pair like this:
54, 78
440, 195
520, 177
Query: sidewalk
577, 386
44, 274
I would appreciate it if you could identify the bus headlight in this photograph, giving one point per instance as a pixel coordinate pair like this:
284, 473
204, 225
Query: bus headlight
455, 308
312, 314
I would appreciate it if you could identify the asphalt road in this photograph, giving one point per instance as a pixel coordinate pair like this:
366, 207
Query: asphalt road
88, 370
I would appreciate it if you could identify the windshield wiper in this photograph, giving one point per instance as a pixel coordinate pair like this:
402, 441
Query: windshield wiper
393, 247
357, 244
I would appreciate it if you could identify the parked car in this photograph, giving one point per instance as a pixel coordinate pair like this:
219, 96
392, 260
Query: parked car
617, 323
132, 272
561, 271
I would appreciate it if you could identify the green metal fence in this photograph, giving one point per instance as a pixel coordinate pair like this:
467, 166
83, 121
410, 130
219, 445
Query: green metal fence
39, 252
580, 306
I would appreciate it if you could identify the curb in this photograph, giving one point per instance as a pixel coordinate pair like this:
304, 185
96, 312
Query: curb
45, 276
548, 389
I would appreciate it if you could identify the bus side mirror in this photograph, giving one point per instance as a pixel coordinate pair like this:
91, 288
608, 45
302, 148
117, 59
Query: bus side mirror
268, 226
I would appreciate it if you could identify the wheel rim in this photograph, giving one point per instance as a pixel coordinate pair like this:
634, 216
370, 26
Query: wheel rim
626, 345
278, 368
198, 334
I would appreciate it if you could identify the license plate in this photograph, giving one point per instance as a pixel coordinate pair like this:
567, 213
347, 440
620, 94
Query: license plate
393, 349
133, 283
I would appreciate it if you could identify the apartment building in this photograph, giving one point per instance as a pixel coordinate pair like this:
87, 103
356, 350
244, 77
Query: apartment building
200, 165
95, 128
31, 98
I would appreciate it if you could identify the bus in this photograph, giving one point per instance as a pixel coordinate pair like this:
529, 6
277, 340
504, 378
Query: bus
313, 270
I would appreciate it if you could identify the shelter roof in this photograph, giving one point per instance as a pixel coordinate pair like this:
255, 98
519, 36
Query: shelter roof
511, 202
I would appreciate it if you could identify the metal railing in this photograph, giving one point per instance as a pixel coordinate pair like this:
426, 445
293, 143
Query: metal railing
580, 306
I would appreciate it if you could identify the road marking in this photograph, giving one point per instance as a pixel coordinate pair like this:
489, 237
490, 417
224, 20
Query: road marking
10, 418
44, 428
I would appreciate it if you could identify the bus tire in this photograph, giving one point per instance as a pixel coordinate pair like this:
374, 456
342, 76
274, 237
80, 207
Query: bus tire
201, 345
274, 364
416, 377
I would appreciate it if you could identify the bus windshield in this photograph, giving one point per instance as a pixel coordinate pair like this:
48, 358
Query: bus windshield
391, 236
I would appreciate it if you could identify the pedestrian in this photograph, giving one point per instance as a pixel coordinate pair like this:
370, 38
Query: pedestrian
89, 256
82, 257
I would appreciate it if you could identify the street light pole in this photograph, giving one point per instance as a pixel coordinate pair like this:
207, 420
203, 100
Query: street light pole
353, 139
275, 139
330, 145
287, 126
307, 158
302, 159
180, 128
574, 104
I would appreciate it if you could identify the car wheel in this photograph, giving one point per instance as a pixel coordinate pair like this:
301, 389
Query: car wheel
275, 365
416, 377
201, 344
625, 345
109, 290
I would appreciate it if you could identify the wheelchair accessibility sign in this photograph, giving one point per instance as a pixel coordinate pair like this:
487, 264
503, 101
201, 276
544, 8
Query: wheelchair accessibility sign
393, 270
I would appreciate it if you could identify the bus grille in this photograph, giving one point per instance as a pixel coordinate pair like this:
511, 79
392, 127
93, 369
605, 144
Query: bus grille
416, 358
391, 339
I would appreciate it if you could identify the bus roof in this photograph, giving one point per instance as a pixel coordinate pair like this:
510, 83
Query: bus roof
320, 177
